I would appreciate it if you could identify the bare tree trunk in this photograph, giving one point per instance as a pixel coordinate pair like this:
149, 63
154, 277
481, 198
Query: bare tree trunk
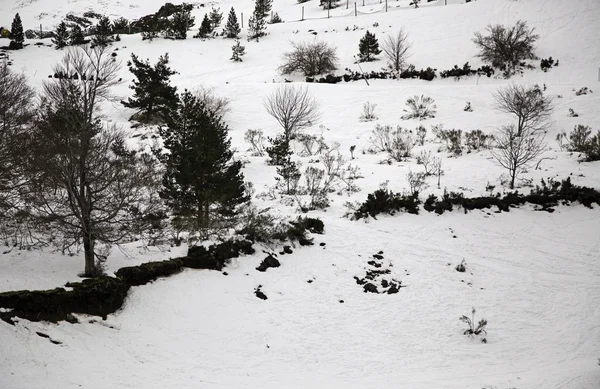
88, 248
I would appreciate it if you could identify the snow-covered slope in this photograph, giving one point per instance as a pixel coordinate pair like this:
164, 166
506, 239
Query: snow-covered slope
534, 276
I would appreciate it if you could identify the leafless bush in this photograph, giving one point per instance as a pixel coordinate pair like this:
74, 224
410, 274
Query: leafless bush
294, 108
419, 107
368, 112
506, 47
428, 162
421, 134
452, 140
396, 49
310, 58
416, 183
256, 140
311, 144
531, 108
397, 143
217, 105
477, 140
515, 151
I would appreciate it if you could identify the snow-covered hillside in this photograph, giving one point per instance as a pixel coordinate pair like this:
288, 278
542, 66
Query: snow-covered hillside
535, 276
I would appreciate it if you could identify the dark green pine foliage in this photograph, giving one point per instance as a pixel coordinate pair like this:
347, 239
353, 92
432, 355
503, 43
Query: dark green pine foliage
61, 38
288, 175
215, 17
256, 23
179, 24
232, 28
201, 183
237, 52
17, 38
153, 94
279, 150
103, 32
206, 28
264, 7
76, 36
368, 47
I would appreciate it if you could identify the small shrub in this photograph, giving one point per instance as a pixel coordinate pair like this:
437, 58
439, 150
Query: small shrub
416, 183
256, 140
474, 329
368, 112
452, 140
581, 141
468, 107
477, 140
428, 162
546, 64
461, 267
572, 113
386, 201
421, 134
419, 107
275, 19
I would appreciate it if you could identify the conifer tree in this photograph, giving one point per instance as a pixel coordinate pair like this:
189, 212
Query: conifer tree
215, 17
237, 51
61, 36
201, 183
17, 38
279, 150
257, 23
289, 175
179, 24
76, 36
153, 95
264, 7
103, 32
205, 29
232, 28
368, 47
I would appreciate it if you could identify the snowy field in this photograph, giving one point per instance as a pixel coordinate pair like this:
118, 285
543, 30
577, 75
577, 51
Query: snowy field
535, 276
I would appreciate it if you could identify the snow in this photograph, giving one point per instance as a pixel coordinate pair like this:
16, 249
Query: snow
535, 276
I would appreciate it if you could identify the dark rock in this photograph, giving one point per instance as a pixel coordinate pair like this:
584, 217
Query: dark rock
310, 281
259, 293
146, 272
322, 244
374, 264
384, 283
393, 289
341, 301
287, 249
269, 261
369, 287
377, 256
225, 273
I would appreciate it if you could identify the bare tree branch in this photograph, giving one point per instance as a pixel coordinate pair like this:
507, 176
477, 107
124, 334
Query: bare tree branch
293, 108
396, 49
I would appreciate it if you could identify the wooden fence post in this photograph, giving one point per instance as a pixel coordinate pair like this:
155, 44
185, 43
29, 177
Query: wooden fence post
355, 8
302, 13
242, 18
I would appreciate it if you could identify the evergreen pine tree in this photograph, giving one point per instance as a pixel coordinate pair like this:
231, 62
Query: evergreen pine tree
76, 36
61, 37
368, 47
215, 17
153, 95
17, 38
256, 23
237, 51
201, 183
264, 7
103, 32
279, 150
232, 28
289, 175
179, 24
205, 29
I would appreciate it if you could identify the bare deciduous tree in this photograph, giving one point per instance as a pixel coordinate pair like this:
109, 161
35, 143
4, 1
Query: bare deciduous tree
86, 183
217, 105
310, 59
396, 49
506, 47
532, 109
516, 151
294, 108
